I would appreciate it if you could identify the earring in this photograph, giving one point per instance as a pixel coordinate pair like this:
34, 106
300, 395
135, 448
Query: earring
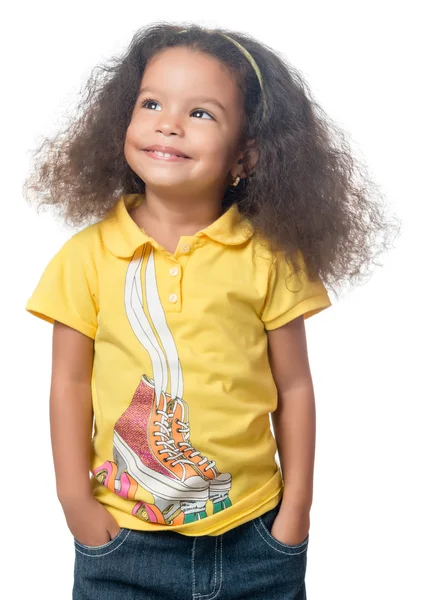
237, 180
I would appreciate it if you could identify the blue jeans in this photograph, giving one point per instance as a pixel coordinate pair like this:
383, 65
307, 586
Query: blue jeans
245, 563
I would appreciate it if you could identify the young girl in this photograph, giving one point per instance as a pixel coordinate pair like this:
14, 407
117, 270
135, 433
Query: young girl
221, 200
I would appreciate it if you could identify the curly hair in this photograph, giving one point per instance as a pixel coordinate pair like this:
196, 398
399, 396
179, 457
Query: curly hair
308, 192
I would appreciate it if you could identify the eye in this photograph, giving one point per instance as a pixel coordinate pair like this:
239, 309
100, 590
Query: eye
199, 110
148, 101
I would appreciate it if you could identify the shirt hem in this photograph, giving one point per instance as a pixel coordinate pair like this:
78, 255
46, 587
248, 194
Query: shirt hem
251, 507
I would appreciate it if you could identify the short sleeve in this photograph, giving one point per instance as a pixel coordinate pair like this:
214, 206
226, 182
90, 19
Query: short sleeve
66, 291
290, 295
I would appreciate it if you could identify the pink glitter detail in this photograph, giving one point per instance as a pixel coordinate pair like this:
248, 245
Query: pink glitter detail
133, 427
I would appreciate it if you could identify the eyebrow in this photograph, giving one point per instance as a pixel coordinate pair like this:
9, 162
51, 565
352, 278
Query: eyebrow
196, 99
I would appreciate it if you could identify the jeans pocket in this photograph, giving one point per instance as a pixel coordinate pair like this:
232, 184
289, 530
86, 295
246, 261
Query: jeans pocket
264, 525
106, 548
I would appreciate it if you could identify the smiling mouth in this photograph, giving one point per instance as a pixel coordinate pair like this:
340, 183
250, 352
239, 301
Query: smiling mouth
165, 156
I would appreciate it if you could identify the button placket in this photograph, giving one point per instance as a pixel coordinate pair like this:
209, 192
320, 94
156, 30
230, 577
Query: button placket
174, 273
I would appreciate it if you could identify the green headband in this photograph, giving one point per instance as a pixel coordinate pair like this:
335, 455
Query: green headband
252, 62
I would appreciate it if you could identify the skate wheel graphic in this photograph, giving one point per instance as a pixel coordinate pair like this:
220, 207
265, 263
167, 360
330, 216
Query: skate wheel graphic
148, 512
106, 474
128, 486
152, 514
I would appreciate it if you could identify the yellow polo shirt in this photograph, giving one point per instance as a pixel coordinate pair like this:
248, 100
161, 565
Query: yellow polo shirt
181, 385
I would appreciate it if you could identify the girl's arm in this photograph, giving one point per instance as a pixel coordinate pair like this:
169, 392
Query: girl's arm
71, 418
294, 419
71, 412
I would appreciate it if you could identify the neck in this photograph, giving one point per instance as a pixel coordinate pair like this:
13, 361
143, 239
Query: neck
182, 215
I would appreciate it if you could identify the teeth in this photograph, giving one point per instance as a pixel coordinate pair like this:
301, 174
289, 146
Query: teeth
165, 154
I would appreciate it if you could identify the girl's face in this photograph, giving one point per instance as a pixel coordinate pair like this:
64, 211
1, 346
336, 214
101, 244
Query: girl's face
188, 100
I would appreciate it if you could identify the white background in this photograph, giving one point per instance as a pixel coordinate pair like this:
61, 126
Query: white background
366, 64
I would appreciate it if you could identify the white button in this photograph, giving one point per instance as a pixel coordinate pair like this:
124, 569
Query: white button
173, 271
185, 248
173, 298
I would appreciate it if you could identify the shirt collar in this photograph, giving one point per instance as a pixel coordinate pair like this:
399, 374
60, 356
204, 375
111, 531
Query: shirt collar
122, 235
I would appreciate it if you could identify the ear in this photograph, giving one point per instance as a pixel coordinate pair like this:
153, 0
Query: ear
251, 154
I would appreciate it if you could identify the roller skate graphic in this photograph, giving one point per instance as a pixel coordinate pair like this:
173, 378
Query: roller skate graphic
151, 439
220, 483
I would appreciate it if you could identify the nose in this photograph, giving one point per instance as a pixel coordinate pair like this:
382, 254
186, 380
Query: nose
169, 124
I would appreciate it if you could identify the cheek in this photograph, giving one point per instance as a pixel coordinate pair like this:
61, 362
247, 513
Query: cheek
132, 136
216, 146
220, 155
137, 128
131, 144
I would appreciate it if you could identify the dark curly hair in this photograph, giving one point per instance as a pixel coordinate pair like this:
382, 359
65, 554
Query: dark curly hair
308, 191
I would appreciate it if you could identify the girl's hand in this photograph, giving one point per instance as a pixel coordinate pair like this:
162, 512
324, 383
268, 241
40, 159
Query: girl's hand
291, 525
89, 521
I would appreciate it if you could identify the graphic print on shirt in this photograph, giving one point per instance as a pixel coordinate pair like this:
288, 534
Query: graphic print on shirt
151, 439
